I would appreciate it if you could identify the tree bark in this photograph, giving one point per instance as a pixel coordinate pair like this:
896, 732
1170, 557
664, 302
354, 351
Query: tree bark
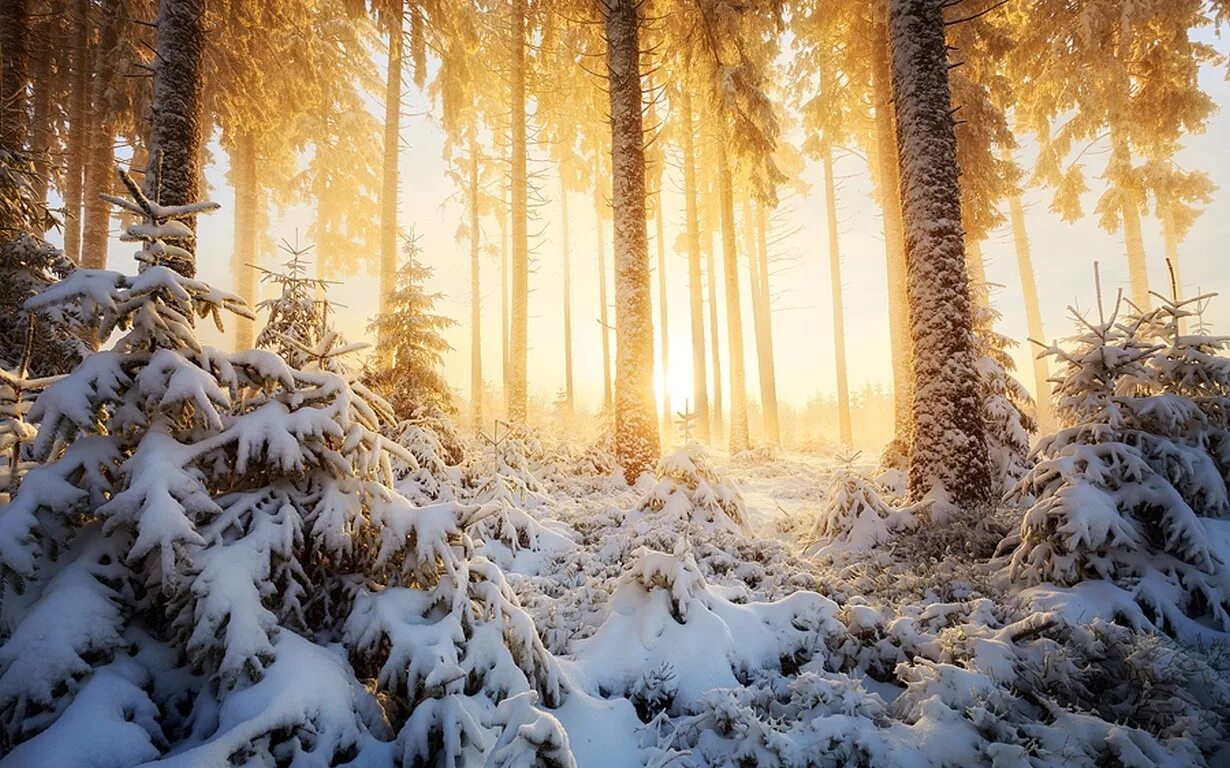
569, 394
1033, 314
14, 74
845, 427
476, 339
40, 122
700, 389
518, 342
734, 316
758, 261
603, 318
948, 455
636, 432
100, 165
78, 130
243, 163
389, 179
176, 126
894, 238
663, 316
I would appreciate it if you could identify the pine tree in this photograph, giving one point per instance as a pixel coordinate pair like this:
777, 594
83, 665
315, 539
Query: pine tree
1120, 491
225, 524
411, 378
1007, 411
948, 453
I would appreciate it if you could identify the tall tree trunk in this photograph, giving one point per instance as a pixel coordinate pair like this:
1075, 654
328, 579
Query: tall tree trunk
734, 315
569, 394
894, 239
1133, 240
636, 431
243, 163
504, 285
40, 122
14, 73
845, 427
518, 342
78, 129
700, 388
948, 455
663, 316
389, 183
1033, 314
758, 257
476, 316
716, 430
99, 169
177, 127
603, 319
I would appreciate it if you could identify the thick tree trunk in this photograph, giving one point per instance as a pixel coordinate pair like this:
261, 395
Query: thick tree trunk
1033, 314
177, 124
663, 316
739, 440
389, 182
100, 166
894, 239
758, 256
78, 129
603, 318
476, 315
948, 455
845, 427
700, 388
243, 163
518, 341
14, 73
636, 432
569, 394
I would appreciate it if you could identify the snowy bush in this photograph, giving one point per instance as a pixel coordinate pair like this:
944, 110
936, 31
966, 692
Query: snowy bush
854, 518
1124, 490
1007, 408
211, 559
690, 488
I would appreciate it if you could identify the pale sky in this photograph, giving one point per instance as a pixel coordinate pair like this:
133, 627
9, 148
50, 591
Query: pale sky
802, 319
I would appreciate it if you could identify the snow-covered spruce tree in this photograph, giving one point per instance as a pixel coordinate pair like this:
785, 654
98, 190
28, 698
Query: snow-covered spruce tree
212, 541
1120, 491
1006, 403
691, 489
636, 422
408, 373
948, 454
855, 518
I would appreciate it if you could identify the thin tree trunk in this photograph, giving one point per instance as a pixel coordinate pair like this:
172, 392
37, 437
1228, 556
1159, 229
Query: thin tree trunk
976, 268
1033, 314
518, 343
716, 430
758, 256
845, 428
894, 242
14, 72
700, 389
1133, 240
1170, 240
636, 432
663, 317
389, 182
78, 130
569, 395
603, 319
734, 315
476, 340
40, 123
243, 162
948, 454
504, 285
99, 169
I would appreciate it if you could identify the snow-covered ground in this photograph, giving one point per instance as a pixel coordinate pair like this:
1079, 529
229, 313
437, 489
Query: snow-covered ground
691, 631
